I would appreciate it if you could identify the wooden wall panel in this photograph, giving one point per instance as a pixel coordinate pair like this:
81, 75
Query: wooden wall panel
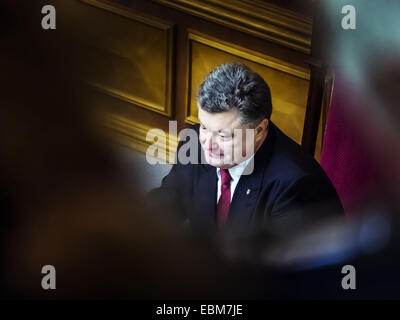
258, 18
128, 56
146, 58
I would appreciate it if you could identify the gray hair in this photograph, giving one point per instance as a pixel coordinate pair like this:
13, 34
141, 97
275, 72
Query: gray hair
234, 85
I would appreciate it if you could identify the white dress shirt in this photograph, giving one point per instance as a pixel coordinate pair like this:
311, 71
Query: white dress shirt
236, 173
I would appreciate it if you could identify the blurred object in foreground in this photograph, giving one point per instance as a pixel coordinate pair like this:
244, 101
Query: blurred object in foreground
65, 198
346, 157
361, 151
309, 263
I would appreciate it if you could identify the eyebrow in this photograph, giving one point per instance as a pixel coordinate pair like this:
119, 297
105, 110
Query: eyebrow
219, 131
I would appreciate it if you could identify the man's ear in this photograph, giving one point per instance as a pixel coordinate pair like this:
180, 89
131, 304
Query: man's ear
262, 128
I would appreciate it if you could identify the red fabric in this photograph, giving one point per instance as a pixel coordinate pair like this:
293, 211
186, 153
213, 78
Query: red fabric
224, 201
346, 153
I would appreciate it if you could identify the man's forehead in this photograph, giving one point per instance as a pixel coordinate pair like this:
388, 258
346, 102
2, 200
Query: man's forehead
220, 121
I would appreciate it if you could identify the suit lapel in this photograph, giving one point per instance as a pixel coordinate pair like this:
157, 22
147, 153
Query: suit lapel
249, 186
244, 199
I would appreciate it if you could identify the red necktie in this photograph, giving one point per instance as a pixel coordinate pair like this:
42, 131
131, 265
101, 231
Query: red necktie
224, 201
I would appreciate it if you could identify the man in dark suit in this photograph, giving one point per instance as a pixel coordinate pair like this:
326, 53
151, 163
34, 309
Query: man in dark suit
275, 186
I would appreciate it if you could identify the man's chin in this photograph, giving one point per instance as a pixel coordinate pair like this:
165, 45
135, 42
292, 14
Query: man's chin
218, 163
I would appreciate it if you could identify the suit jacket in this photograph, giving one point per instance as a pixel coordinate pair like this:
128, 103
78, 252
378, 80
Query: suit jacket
288, 191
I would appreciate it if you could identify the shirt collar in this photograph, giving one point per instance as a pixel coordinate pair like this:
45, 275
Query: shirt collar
236, 171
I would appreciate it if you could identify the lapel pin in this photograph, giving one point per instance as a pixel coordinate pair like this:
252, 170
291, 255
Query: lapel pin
248, 191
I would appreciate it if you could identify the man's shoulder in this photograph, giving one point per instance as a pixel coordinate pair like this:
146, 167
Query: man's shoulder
292, 170
288, 161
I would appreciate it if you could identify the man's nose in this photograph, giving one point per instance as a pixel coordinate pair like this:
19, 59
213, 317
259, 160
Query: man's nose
211, 142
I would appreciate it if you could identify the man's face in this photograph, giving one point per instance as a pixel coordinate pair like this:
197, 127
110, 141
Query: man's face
224, 139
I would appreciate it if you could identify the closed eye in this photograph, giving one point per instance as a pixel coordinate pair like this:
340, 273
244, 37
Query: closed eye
225, 137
